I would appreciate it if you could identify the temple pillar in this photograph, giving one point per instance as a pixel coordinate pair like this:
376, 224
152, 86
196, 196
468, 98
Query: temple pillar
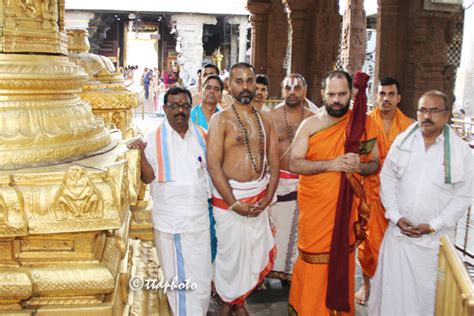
189, 43
465, 74
354, 24
243, 37
234, 47
315, 33
77, 19
258, 20
269, 41
412, 46
326, 30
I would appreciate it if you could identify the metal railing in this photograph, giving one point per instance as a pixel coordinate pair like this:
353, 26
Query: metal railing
454, 289
464, 128
464, 236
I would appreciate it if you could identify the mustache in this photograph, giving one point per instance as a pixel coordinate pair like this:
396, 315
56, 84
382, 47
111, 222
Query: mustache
427, 121
245, 92
180, 115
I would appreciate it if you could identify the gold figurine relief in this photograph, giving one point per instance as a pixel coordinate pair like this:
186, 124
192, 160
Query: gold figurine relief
33, 26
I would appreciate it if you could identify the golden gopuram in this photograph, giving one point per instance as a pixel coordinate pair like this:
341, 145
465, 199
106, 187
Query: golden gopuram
69, 188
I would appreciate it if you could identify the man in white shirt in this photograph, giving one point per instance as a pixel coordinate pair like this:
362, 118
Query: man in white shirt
173, 161
426, 186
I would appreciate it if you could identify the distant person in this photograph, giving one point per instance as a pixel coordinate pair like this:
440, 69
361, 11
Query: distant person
147, 81
207, 69
261, 95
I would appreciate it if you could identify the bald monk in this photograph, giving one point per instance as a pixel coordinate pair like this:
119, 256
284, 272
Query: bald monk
391, 122
318, 156
244, 167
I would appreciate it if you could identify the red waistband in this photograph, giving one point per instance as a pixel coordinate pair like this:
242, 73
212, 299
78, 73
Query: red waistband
288, 175
220, 203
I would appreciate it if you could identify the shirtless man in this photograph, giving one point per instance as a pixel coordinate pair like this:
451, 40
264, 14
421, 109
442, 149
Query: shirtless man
244, 166
287, 118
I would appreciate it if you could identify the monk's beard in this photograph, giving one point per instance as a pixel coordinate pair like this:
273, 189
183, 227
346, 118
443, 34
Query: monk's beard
339, 112
245, 97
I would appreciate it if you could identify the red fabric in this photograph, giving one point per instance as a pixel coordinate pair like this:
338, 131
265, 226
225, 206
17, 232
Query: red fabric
220, 203
288, 175
338, 285
263, 274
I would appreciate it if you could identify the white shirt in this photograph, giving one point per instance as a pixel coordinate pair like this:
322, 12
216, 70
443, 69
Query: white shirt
421, 195
180, 206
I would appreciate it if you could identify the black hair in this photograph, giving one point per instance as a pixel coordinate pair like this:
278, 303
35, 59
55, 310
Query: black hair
215, 77
176, 91
210, 65
388, 81
262, 79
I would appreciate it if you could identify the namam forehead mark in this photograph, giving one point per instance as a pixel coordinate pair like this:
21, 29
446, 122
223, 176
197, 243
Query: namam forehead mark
292, 83
242, 73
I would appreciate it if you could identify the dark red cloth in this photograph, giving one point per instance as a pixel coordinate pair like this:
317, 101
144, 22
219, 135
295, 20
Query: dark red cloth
337, 295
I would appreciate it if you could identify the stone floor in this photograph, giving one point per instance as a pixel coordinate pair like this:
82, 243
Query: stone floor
273, 299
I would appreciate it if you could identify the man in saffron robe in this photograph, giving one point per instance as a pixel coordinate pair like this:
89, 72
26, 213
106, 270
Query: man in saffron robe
318, 155
391, 122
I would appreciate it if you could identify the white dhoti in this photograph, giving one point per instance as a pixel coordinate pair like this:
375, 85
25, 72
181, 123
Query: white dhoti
405, 279
285, 219
245, 245
186, 259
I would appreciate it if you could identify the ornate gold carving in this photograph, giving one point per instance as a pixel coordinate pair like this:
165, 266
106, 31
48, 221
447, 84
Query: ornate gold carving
28, 7
64, 300
78, 41
106, 91
15, 284
38, 129
77, 197
12, 216
73, 279
33, 26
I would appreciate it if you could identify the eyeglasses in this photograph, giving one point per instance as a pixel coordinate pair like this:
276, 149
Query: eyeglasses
175, 106
433, 111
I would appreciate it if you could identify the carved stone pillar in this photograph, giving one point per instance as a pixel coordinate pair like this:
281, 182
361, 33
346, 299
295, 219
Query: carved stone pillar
269, 41
258, 20
300, 20
315, 29
189, 42
465, 74
412, 44
233, 45
326, 30
243, 37
354, 26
